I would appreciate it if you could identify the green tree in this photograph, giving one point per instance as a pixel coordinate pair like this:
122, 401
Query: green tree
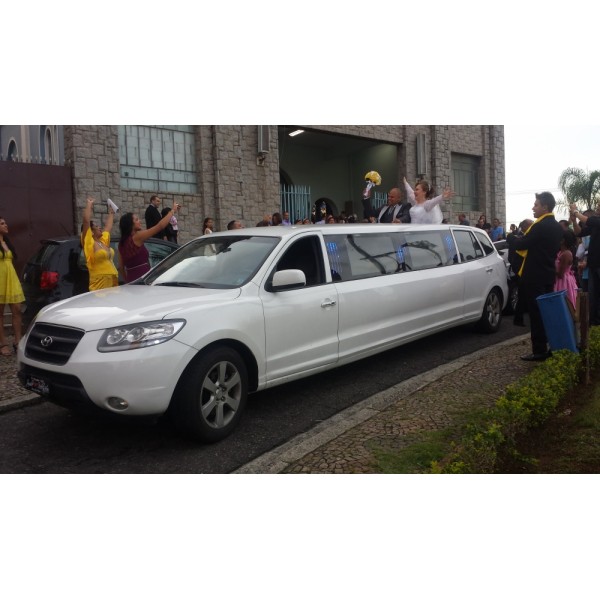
581, 187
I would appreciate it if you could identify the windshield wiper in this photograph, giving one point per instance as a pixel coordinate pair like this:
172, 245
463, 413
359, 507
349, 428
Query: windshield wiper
181, 284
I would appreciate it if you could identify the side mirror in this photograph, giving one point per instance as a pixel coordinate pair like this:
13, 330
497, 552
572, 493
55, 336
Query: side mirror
288, 279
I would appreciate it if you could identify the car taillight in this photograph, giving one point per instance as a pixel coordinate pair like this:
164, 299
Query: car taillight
49, 280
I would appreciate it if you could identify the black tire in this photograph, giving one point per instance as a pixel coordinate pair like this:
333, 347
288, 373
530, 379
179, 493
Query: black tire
211, 395
491, 316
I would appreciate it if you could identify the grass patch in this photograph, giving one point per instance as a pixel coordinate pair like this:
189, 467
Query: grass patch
423, 448
414, 458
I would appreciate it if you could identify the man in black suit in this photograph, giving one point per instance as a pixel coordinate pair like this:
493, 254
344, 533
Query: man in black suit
540, 244
516, 260
153, 216
395, 211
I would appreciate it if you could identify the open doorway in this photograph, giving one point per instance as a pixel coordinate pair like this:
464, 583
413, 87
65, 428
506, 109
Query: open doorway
333, 166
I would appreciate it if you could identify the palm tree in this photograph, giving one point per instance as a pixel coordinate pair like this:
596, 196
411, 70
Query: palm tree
581, 187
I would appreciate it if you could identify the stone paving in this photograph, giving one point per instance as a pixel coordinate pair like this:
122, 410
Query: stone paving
12, 394
435, 406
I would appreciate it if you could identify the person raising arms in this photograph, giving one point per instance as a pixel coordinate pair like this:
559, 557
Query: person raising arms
96, 247
425, 208
133, 255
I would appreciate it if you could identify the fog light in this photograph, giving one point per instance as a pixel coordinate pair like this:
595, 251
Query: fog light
118, 403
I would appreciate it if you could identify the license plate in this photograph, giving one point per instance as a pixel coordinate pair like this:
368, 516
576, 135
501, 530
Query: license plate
35, 384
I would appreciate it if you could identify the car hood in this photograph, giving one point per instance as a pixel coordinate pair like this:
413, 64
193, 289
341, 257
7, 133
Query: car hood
129, 304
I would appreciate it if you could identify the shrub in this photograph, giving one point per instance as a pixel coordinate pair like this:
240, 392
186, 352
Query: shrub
526, 403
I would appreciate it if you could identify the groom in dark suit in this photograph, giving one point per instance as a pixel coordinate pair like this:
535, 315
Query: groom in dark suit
395, 211
538, 246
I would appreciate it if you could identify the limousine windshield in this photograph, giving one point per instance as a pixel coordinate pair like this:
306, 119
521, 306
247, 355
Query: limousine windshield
219, 262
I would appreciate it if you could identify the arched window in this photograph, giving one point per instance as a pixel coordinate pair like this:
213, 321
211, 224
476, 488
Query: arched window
12, 151
48, 146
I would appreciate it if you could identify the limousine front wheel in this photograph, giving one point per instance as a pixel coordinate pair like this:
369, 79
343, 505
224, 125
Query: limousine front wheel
211, 395
492, 313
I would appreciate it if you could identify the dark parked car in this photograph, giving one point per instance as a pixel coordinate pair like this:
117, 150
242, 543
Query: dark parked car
58, 270
513, 289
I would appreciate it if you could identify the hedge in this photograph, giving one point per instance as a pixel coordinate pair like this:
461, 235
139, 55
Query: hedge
526, 403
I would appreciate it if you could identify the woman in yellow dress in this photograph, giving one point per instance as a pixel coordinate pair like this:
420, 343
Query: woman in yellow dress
97, 250
11, 292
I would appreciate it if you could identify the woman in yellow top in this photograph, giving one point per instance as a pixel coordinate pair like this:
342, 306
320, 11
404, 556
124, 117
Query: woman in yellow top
97, 250
11, 292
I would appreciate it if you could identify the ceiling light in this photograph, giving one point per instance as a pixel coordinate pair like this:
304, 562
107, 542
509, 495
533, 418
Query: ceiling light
297, 132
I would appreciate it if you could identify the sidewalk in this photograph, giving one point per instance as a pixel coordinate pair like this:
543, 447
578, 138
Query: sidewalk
386, 421
345, 443
12, 394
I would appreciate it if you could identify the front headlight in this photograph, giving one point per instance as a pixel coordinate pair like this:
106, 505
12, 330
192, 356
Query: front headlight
138, 335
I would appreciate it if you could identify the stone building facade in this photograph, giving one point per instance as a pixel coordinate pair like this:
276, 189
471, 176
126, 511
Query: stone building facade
233, 180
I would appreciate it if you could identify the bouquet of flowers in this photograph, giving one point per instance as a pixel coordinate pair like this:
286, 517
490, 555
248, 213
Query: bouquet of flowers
372, 178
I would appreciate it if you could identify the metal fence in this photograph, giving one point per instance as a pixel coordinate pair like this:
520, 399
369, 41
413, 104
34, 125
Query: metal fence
379, 200
33, 160
296, 200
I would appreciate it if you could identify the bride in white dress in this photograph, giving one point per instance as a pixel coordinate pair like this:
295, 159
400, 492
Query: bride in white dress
425, 210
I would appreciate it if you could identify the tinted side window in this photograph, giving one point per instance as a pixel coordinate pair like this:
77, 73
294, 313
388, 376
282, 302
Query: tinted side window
428, 249
361, 255
468, 247
43, 255
486, 243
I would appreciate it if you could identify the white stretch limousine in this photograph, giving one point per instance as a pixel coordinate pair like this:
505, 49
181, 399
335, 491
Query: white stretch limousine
240, 311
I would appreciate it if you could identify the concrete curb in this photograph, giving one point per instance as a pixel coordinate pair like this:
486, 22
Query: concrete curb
283, 456
20, 402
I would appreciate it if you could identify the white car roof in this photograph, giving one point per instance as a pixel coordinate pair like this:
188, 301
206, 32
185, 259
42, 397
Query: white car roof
283, 231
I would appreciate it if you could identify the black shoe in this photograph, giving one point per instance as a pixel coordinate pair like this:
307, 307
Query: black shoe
539, 357
518, 321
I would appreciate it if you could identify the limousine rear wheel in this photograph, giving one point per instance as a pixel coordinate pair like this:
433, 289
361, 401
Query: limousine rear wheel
492, 313
211, 395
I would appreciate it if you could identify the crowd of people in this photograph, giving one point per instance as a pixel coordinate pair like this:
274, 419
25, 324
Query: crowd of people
544, 254
99, 256
551, 256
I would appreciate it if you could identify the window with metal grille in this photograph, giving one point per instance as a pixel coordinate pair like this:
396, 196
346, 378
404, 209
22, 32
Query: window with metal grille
158, 158
465, 183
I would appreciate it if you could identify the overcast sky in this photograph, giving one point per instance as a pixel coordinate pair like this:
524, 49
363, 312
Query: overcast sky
536, 155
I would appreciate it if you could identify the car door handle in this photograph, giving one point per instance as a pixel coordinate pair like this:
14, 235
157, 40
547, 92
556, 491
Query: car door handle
490, 270
327, 303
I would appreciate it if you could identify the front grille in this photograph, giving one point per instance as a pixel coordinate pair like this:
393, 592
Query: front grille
51, 343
